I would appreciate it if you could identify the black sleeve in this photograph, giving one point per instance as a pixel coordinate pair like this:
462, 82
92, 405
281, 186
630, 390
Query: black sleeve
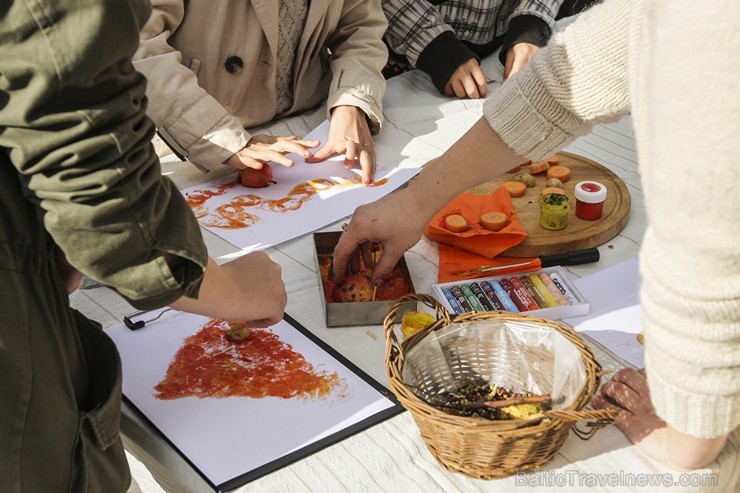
525, 29
441, 58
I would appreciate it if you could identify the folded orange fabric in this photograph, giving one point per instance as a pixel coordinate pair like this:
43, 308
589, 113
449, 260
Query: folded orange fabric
478, 239
453, 260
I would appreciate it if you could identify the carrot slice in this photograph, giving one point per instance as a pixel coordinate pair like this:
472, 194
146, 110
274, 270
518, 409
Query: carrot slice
539, 167
553, 160
547, 190
494, 221
562, 173
515, 188
456, 223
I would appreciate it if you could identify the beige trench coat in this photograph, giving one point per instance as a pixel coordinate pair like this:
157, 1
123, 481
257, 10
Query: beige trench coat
211, 68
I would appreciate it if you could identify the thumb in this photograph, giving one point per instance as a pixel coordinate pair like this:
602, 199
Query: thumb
320, 155
384, 267
509, 64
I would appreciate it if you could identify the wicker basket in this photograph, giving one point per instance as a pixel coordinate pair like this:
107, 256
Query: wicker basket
483, 448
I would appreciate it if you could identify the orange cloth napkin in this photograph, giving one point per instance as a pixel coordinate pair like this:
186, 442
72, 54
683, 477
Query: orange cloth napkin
453, 260
478, 239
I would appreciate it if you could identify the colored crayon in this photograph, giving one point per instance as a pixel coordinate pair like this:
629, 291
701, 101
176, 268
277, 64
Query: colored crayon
452, 301
472, 299
572, 300
542, 290
460, 297
553, 289
521, 291
516, 298
504, 298
478, 292
491, 295
532, 292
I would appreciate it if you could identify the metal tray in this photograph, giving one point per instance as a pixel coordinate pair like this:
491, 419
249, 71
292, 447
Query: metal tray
355, 313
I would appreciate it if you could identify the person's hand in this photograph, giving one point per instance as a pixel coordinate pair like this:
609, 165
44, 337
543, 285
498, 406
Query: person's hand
71, 277
628, 394
249, 289
468, 81
517, 57
349, 134
262, 149
396, 221
261, 288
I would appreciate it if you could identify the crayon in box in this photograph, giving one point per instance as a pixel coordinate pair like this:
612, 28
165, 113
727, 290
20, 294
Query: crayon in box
571, 303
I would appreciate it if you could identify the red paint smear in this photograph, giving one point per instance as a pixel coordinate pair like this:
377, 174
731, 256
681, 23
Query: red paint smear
210, 365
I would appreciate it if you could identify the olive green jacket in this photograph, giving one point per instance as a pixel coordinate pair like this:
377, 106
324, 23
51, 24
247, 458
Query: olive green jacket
77, 170
73, 125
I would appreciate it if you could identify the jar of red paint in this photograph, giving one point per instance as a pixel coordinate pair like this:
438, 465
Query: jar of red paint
590, 197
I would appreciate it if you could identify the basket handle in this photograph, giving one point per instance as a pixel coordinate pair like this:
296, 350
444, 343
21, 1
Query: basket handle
393, 348
601, 417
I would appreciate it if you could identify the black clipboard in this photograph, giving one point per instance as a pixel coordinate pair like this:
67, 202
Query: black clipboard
285, 460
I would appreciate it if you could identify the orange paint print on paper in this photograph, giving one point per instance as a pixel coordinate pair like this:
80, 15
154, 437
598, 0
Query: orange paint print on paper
297, 201
235, 213
210, 364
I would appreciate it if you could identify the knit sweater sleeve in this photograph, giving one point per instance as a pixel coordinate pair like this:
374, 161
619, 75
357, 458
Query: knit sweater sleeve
687, 132
577, 81
623, 55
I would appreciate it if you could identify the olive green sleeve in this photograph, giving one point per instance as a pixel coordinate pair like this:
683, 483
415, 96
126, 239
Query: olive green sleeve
72, 121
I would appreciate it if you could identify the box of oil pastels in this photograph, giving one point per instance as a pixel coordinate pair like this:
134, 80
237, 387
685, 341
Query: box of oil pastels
546, 293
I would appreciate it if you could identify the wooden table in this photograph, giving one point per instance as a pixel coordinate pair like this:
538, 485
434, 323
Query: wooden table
579, 233
419, 125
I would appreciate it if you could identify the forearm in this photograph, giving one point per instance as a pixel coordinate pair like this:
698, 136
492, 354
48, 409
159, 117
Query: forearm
480, 155
248, 289
219, 296
552, 100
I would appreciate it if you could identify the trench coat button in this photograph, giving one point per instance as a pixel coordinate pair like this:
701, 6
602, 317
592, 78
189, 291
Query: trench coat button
234, 64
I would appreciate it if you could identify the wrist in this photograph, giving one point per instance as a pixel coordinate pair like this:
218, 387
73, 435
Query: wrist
684, 452
348, 109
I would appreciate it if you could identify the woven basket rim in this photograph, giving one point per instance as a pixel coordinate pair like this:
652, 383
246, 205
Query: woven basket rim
416, 405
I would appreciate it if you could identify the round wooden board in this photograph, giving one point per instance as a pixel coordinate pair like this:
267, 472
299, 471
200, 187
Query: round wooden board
579, 233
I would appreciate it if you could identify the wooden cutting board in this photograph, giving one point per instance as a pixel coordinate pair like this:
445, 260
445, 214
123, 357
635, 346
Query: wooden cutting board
578, 233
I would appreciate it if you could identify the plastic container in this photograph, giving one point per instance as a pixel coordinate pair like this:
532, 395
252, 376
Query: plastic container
590, 197
354, 313
554, 209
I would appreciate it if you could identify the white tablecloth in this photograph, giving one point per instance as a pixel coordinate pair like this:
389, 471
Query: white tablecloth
419, 125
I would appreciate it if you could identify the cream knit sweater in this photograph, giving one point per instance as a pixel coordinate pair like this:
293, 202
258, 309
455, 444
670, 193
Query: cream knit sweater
676, 66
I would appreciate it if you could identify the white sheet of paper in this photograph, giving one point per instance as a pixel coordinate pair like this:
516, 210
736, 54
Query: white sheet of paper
615, 317
227, 437
272, 226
